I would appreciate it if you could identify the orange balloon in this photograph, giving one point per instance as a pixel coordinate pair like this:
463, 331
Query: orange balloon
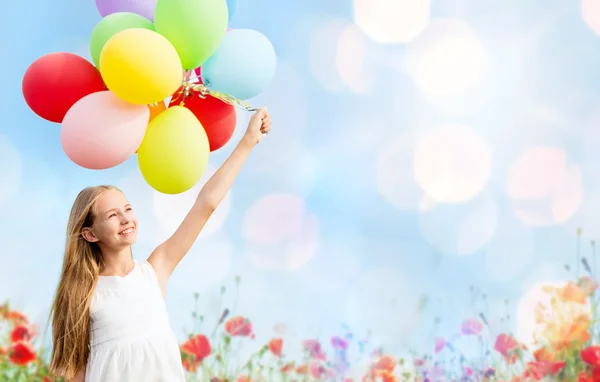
156, 109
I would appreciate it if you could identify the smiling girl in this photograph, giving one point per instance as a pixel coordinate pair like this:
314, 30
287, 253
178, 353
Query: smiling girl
109, 318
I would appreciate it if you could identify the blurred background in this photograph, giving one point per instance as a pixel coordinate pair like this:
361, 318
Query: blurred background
429, 161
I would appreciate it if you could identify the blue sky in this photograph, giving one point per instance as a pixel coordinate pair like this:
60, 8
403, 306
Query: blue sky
393, 171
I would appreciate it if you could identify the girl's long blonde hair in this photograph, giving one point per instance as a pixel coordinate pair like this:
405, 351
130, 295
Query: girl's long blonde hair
70, 311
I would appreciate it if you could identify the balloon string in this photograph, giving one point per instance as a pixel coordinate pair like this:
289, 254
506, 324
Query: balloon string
204, 91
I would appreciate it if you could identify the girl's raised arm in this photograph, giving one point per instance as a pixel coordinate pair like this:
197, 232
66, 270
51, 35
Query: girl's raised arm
165, 257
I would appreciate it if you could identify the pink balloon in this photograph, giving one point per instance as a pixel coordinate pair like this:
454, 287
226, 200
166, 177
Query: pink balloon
101, 131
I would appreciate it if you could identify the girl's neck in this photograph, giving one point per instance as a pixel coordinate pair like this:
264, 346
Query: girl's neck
117, 263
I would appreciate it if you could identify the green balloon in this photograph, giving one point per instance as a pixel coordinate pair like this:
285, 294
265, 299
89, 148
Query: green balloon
110, 26
194, 27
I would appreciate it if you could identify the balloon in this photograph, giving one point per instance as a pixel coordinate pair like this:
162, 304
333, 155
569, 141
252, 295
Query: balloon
194, 27
140, 66
174, 153
243, 66
54, 82
111, 25
232, 6
143, 8
217, 117
198, 70
101, 131
156, 109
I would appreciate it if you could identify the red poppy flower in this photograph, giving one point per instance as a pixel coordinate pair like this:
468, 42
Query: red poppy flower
276, 346
302, 369
238, 326
508, 347
591, 355
471, 326
22, 332
572, 293
194, 351
386, 363
584, 377
15, 317
387, 377
21, 353
317, 370
587, 284
575, 331
288, 367
314, 350
440, 344
382, 370
539, 370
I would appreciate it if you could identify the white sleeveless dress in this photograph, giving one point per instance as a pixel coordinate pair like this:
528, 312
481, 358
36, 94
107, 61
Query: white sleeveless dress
130, 336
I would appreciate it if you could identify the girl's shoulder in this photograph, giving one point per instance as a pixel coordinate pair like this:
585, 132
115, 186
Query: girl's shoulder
145, 268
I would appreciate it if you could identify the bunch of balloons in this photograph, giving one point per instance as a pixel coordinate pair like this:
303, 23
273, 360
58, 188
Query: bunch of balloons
165, 80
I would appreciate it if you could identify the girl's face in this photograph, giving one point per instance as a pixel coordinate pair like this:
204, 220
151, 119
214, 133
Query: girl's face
115, 224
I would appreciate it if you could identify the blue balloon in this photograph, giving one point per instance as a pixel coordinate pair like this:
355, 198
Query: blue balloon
232, 6
243, 65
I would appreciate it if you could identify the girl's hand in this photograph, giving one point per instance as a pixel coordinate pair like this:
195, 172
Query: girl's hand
258, 127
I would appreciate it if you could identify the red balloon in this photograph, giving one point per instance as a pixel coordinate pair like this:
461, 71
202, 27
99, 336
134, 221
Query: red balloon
217, 117
54, 82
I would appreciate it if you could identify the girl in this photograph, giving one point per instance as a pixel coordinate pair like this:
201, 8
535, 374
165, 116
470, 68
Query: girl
109, 319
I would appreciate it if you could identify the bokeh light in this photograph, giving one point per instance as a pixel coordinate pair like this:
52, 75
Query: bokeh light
10, 169
339, 57
281, 232
392, 21
590, 11
350, 60
452, 164
395, 175
447, 59
472, 225
323, 52
545, 187
170, 210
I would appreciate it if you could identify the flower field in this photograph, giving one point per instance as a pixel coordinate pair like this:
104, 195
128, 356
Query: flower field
566, 348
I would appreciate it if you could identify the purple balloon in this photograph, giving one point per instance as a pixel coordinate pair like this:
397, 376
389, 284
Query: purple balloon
143, 8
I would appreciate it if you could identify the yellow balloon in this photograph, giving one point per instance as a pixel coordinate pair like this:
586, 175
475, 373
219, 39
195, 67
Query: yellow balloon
140, 66
174, 153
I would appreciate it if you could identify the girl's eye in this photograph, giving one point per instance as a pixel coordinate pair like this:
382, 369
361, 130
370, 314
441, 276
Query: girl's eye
112, 215
129, 209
